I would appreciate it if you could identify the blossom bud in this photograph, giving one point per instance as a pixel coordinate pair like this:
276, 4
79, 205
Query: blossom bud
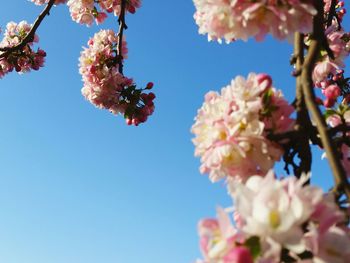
101, 17
328, 103
149, 85
132, 9
151, 96
264, 80
239, 255
128, 121
332, 92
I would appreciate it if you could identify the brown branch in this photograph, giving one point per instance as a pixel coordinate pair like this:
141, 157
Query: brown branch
303, 120
122, 26
30, 36
339, 174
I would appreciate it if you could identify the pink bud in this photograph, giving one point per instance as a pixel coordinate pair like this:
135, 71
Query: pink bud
149, 85
238, 255
328, 103
128, 121
135, 121
132, 9
90, 42
332, 92
265, 81
41, 53
151, 96
101, 18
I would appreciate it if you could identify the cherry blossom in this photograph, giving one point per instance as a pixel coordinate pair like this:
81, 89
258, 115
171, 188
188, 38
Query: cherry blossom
328, 246
22, 60
240, 19
42, 2
230, 128
275, 209
338, 43
88, 11
106, 87
218, 239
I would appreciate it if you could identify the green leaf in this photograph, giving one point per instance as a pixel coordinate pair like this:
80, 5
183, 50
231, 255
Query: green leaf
253, 243
329, 112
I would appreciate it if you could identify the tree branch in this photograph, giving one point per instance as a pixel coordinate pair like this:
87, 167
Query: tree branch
122, 26
303, 120
308, 89
30, 36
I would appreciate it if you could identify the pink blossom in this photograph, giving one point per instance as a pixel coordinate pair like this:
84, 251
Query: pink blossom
105, 86
334, 120
325, 65
230, 128
238, 255
332, 91
330, 246
41, 2
22, 60
274, 209
218, 238
242, 19
86, 11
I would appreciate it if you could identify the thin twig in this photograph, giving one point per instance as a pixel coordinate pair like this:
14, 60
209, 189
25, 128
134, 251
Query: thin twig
122, 26
30, 36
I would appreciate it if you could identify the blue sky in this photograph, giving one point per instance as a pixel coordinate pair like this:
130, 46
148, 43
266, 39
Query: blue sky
79, 186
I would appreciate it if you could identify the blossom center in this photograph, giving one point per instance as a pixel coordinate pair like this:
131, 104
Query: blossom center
274, 219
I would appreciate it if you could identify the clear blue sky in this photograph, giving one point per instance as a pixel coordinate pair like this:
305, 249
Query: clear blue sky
79, 186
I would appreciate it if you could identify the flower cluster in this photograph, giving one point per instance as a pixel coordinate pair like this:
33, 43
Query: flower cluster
274, 219
86, 11
21, 60
328, 73
239, 19
339, 8
220, 241
326, 69
106, 87
231, 128
42, 2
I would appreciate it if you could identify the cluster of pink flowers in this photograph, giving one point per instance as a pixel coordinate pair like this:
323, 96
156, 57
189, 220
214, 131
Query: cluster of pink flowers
86, 11
22, 60
339, 43
271, 215
42, 2
106, 87
221, 242
328, 73
230, 128
339, 8
239, 19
